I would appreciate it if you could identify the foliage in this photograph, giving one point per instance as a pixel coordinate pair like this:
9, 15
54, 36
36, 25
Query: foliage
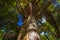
50, 9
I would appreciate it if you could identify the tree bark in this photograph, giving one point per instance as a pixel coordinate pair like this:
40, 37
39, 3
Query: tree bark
30, 32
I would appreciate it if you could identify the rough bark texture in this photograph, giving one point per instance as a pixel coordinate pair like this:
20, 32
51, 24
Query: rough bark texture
31, 32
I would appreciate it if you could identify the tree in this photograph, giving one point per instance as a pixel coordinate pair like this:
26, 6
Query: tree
34, 12
31, 9
30, 27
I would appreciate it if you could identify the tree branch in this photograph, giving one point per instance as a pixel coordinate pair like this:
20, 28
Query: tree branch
43, 7
33, 1
37, 1
30, 9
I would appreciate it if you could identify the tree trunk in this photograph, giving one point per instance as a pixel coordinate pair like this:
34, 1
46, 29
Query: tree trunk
30, 31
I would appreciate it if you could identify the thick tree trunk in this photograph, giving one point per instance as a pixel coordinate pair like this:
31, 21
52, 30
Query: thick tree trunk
30, 32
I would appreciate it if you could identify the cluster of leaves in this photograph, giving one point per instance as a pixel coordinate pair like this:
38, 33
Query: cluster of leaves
8, 17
